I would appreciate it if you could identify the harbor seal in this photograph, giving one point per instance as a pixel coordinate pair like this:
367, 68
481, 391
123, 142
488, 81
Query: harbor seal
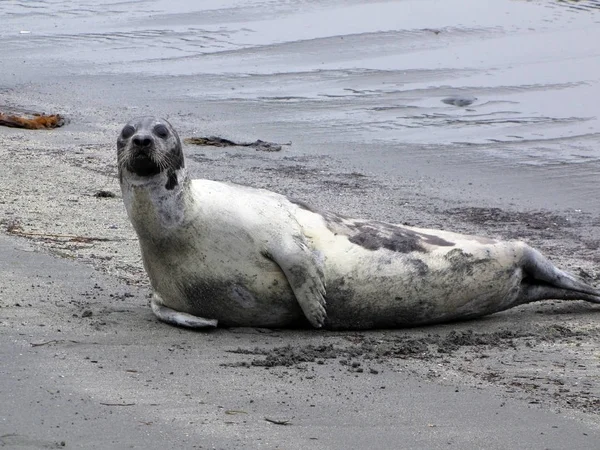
222, 253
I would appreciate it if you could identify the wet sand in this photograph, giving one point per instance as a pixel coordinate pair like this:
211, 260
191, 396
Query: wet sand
370, 137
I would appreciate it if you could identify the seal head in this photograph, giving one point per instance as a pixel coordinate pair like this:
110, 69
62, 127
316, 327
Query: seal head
148, 146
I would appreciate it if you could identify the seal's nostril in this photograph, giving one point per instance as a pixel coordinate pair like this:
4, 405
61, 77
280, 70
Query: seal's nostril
142, 141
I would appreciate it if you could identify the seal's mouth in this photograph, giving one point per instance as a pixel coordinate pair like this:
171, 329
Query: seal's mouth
143, 165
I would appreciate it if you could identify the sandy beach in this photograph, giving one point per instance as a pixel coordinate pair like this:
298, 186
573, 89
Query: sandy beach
357, 89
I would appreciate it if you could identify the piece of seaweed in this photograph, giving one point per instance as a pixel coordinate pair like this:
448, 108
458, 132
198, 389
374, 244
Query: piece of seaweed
215, 141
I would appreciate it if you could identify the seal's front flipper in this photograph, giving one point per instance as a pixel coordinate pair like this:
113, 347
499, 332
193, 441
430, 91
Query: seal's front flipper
304, 272
178, 318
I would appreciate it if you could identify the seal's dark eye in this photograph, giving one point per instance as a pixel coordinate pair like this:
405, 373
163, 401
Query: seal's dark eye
161, 131
127, 132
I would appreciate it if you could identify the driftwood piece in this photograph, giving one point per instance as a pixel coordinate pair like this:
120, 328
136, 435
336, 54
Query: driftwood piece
34, 122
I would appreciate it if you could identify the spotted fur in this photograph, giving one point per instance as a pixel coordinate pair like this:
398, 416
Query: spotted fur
229, 254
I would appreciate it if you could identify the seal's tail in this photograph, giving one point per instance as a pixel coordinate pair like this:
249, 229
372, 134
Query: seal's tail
542, 280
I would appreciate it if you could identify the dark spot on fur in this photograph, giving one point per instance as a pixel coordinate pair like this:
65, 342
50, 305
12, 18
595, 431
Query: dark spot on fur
296, 275
171, 181
375, 235
340, 294
391, 239
234, 305
465, 263
419, 266
457, 256
352, 313
328, 216
242, 296
433, 240
333, 218
204, 296
175, 156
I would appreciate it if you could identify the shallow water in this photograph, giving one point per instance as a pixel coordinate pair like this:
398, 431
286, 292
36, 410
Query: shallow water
348, 78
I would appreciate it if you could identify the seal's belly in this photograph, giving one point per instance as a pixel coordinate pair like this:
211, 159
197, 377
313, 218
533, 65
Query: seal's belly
262, 301
252, 293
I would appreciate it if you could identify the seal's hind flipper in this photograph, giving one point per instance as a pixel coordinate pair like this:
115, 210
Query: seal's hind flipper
178, 318
542, 280
534, 292
304, 273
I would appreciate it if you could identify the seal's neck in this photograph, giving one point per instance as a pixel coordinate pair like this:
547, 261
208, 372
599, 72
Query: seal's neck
158, 204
